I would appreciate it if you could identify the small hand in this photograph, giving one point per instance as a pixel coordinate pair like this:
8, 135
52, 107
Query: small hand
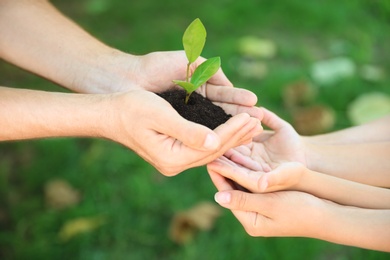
271, 148
147, 124
285, 176
281, 214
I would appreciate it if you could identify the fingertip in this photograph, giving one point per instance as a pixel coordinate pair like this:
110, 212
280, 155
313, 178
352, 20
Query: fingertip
223, 197
211, 141
196, 136
252, 98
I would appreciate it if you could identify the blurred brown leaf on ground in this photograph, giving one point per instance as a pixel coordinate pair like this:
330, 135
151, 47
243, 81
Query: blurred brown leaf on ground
185, 224
59, 194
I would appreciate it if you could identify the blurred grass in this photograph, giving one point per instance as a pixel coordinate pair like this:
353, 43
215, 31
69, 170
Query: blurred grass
137, 202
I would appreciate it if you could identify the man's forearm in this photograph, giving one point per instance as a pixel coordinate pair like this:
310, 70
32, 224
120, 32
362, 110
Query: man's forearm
38, 38
27, 114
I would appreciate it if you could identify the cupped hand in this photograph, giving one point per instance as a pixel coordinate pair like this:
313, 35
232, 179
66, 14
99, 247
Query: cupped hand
285, 176
277, 214
156, 71
270, 148
147, 124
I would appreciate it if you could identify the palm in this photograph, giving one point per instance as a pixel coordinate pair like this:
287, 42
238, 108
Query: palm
271, 148
282, 146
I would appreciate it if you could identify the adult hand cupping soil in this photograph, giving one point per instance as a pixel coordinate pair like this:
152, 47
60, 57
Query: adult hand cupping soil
119, 103
155, 71
148, 125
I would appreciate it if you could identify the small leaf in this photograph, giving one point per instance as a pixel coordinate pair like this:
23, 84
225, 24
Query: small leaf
205, 71
188, 86
77, 226
194, 39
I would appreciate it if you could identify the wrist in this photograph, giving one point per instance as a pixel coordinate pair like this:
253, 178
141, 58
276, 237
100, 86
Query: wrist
108, 72
310, 151
39, 114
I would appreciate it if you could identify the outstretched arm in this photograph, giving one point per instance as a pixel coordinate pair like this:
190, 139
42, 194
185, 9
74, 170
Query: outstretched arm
128, 118
292, 214
294, 176
363, 157
374, 131
37, 37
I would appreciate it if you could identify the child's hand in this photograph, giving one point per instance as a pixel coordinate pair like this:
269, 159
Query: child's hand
285, 213
271, 148
286, 176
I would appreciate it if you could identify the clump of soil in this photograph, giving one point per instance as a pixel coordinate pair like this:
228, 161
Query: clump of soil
198, 109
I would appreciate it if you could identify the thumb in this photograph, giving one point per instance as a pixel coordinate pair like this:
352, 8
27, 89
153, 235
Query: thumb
238, 200
191, 134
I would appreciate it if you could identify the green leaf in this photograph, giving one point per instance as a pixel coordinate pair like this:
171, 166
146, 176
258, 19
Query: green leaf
188, 86
194, 39
205, 71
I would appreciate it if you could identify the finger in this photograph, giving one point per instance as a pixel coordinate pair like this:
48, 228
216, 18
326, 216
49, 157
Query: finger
264, 136
238, 127
255, 131
219, 78
283, 177
224, 184
220, 182
243, 201
223, 94
243, 160
193, 135
234, 109
230, 135
236, 172
271, 120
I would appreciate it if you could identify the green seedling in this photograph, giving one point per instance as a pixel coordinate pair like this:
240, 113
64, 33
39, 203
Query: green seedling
194, 39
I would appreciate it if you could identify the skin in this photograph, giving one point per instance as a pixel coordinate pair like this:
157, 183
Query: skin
275, 166
328, 153
116, 89
299, 214
295, 176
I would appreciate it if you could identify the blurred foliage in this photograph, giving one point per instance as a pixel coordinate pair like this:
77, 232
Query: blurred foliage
136, 202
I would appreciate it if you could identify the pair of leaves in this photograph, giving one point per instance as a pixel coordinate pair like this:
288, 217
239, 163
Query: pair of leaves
194, 39
201, 75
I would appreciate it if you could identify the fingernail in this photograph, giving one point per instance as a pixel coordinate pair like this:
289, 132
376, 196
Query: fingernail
211, 142
222, 197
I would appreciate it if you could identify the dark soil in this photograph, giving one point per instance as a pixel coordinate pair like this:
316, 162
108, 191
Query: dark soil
198, 109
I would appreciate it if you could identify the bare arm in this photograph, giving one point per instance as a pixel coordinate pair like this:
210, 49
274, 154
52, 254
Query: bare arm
298, 214
367, 163
360, 154
38, 38
27, 114
127, 118
294, 176
375, 131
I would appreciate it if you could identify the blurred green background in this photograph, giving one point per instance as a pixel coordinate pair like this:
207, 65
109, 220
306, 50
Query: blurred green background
135, 203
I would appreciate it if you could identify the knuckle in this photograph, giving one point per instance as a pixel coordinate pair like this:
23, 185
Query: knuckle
241, 200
